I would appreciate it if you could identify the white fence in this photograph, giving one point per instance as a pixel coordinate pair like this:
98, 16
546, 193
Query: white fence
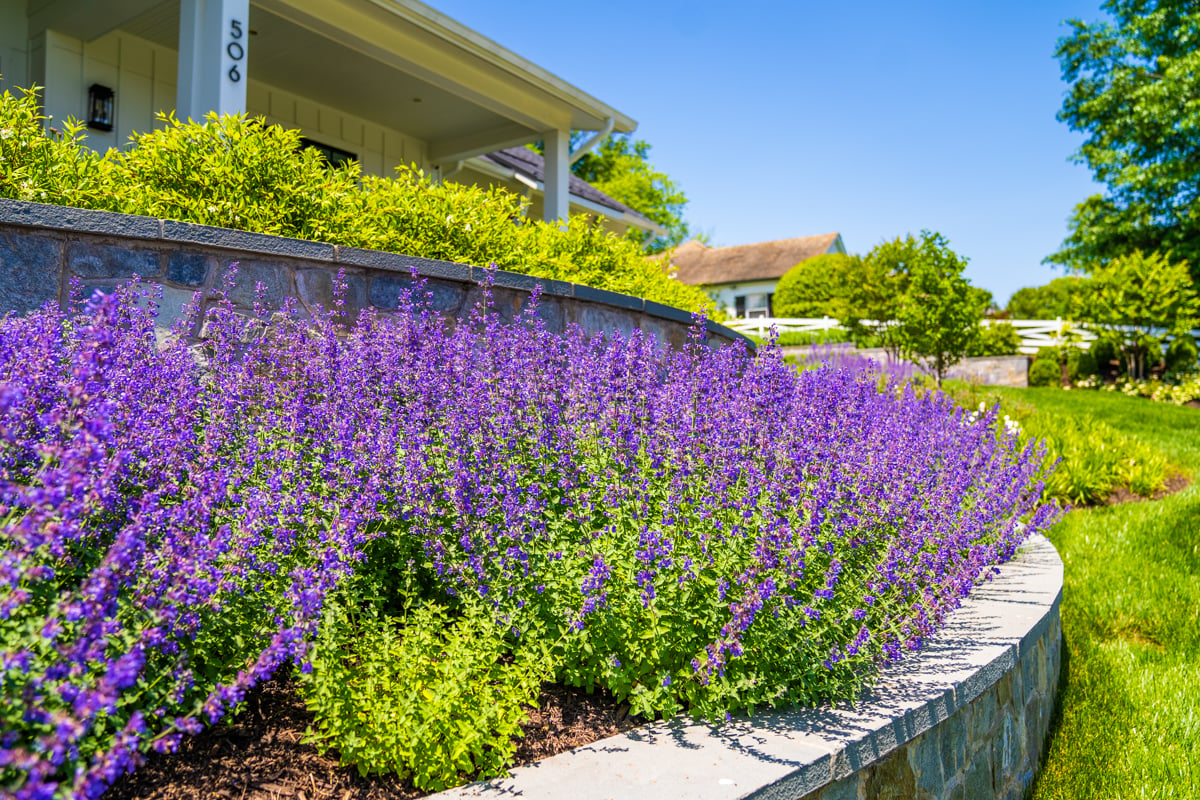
1035, 333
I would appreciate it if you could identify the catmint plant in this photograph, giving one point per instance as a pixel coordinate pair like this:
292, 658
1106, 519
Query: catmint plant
694, 529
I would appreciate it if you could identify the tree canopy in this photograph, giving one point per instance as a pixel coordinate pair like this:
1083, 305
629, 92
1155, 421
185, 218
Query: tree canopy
1135, 87
1051, 301
1138, 302
621, 169
932, 310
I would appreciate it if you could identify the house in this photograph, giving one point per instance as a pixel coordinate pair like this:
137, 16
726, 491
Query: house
387, 82
741, 280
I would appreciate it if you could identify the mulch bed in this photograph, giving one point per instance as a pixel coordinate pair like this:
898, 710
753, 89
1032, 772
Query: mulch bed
260, 755
1176, 482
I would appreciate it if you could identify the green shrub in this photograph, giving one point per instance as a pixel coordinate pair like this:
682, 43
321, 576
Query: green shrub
1044, 372
45, 168
1093, 458
1181, 356
1104, 354
1080, 364
818, 287
241, 173
434, 700
996, 339
806, 338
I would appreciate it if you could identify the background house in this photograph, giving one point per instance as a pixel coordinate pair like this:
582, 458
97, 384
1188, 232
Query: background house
387, 82
741, 280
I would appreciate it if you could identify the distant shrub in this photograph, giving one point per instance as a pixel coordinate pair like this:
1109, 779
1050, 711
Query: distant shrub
1079, 364
818, 287
806, 338
997, 339
1181, 356
1044, 372
241, 173
1092, 458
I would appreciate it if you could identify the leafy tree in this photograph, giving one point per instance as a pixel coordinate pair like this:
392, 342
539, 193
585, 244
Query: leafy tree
1134, 84
1138, 302
821, 286
1050, 301
622, 170
932, 312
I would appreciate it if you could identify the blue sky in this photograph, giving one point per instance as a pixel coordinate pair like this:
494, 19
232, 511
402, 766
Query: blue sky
873, 118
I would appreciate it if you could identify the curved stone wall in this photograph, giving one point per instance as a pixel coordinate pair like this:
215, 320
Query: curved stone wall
43, 248
964, 718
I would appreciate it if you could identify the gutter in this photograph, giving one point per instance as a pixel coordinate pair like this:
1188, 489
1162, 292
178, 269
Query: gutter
605, 130
491, 169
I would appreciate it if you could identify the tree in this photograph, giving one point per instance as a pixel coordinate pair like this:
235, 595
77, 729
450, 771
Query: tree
1135, 82
1050, 301
1137, 303
821, 286
623, 172
929, 312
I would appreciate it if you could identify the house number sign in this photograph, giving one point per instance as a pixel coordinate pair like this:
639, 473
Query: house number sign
235, 49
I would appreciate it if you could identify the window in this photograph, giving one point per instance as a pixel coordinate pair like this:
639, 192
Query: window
334, 156
751, 306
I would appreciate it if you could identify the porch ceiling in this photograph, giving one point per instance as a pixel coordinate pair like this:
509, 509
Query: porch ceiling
395, 62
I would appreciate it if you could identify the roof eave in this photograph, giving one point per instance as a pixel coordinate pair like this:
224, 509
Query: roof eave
444, 27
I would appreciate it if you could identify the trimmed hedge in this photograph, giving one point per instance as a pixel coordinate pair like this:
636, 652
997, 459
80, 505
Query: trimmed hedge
237, 172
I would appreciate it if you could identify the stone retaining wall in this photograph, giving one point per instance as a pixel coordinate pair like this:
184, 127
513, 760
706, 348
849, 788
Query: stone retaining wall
965, 718
44, 247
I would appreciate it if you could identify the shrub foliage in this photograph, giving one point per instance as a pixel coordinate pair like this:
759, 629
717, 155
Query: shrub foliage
241, 173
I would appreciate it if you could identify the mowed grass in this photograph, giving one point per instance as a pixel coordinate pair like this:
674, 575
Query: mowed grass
1128, 724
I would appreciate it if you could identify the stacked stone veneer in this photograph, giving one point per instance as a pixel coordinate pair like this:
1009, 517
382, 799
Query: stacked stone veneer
44, 248
965, 718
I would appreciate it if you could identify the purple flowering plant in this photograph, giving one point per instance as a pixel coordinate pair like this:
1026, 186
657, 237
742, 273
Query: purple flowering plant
693, 528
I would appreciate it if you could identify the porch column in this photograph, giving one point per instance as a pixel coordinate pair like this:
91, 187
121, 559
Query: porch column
214, 43
556, 203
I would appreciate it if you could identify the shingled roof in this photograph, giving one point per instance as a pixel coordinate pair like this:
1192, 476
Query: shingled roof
532, 165
698, 264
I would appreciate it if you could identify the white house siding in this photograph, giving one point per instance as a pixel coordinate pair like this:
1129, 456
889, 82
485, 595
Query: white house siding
379, 150
14, 44
141, 73
143, 76
724, 295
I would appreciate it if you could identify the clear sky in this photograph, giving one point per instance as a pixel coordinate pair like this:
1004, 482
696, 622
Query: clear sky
874, 118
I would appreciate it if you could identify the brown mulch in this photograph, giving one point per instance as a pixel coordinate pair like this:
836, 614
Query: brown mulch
1176, 482
260, 755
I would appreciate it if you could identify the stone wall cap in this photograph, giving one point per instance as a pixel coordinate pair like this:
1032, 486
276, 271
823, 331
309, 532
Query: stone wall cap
777, 754
83, 220
259, 243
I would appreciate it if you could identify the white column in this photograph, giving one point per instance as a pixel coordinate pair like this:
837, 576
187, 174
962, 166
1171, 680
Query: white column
556, 205
214, 46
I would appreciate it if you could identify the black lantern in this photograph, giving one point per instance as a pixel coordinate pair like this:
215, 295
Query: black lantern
100, 108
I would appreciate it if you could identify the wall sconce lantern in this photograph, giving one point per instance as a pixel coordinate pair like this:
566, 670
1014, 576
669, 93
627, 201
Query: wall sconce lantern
100, 107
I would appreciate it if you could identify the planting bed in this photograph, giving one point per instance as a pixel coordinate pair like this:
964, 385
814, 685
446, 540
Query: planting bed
429, 521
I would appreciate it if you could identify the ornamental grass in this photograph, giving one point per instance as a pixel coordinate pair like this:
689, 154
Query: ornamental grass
692, 529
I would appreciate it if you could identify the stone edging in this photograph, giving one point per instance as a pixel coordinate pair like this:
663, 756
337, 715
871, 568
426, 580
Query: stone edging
965, 717
172, 238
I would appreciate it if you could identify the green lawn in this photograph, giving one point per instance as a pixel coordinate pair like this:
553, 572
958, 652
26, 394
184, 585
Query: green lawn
1129, 717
